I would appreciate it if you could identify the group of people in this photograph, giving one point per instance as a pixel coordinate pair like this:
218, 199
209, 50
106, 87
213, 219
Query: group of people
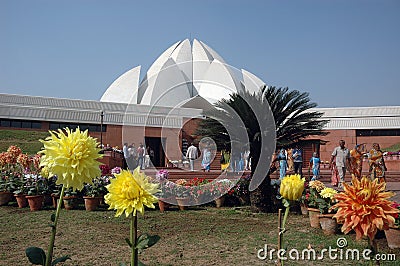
238, 161
290, 160
342, 159
192, 154
136, 157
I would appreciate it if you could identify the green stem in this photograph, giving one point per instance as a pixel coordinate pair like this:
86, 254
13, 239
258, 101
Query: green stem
49, 256
134, 253
374, 247
283, 226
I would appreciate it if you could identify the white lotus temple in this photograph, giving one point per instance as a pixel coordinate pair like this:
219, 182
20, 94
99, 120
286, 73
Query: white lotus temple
186, 74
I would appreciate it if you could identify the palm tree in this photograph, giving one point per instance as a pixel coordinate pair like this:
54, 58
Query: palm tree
273, 117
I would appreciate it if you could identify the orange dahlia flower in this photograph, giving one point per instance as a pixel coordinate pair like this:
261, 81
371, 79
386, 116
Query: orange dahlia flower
364, 207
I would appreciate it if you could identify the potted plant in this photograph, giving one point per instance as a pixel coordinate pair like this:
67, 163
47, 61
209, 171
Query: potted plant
94, 192
199, 190
55, 194
182, 192
315, 188
218, 190
51, 188
10, 169
36, 188
325, 203
21, 192
8, 184
241, 190
70, 199
166, 196
393, 234
304, 199
364, 207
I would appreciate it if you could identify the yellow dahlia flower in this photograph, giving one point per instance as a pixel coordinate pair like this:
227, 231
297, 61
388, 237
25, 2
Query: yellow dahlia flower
130, 193
72, 156
292, 187
364, 207
328, 193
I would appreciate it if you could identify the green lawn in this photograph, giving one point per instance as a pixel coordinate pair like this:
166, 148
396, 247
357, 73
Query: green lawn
28, 141
393, 148
198, 236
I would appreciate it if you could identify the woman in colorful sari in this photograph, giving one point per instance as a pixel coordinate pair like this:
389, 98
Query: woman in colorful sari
377, 165
356, 159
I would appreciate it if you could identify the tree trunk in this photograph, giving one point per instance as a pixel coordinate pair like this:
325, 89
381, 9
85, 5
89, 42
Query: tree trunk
261, 197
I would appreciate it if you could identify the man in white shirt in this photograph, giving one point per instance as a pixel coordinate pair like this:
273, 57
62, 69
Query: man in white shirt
342, 156
192, 154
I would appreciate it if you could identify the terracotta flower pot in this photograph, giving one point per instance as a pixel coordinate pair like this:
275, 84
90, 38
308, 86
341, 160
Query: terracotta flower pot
304, 209
393, 237
55, 200
35, 202
48, 200
163, 205
328, 224
5, 197
70, 202
91, 203
314, 217
219, 202
21, 200
182, 203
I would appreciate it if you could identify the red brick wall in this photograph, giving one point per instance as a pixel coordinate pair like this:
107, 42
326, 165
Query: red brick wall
333, 141
351, 140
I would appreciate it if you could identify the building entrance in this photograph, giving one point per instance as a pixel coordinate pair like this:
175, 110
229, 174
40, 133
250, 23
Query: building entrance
154, 148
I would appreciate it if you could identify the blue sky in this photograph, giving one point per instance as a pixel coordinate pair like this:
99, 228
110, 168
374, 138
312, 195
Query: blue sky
344, 53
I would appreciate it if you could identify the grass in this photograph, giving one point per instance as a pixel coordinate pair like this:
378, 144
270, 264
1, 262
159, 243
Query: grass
393, 148
198, 236
28, 141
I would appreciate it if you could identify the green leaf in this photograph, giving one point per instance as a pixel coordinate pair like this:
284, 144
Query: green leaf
122, 264
146, 241
36, 255
286, 203
141, 263
128, 241
61, 259
53, 217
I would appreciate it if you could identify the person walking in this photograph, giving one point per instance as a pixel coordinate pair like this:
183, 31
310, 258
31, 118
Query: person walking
205, 163
315, 166
341, 155
356, 159
297, 156
377, 167
282, 158
191, 154
140, 154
